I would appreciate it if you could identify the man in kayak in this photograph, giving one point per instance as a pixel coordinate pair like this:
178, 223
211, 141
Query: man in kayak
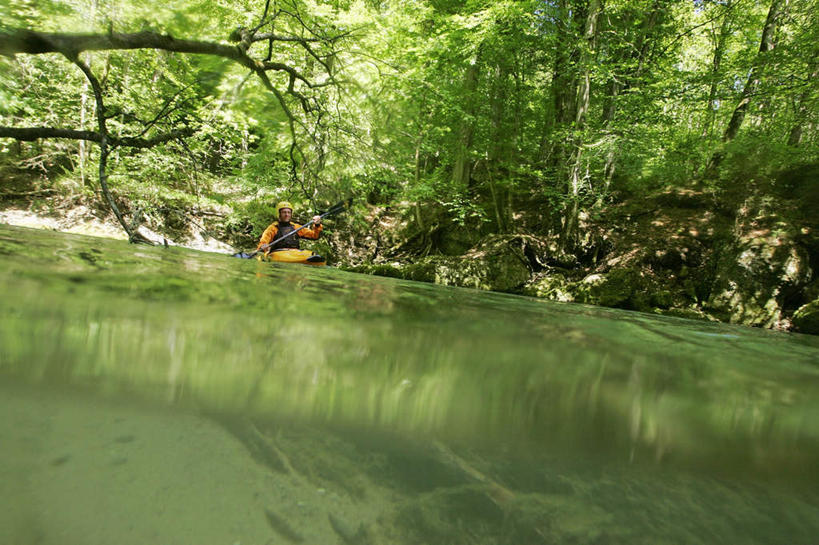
279, 229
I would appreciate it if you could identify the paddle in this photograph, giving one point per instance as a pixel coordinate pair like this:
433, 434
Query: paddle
335, 209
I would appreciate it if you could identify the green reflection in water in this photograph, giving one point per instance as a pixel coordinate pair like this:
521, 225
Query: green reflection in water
565, 404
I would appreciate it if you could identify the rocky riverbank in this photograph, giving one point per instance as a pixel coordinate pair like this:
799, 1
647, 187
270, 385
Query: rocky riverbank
746, 255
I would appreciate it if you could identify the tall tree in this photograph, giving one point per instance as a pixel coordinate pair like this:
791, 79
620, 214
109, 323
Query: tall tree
628, 65
293, 92
563, 88
461, 168
578, 139
722, 29
751, 85
802, 107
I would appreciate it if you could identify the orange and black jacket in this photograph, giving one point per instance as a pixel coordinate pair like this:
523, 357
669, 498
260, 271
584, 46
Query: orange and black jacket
274, 231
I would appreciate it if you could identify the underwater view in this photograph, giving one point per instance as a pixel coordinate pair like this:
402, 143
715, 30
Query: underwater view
165, 395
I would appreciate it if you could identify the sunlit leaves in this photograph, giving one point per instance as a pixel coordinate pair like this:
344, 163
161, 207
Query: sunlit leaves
392, 98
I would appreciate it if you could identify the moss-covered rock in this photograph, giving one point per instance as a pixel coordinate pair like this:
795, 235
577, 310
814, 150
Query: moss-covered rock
758, 268
496, 265
503, 271
619, 288
378, 269
429, 228
422, 270
689, 313
744, 256
806, 318
550, 285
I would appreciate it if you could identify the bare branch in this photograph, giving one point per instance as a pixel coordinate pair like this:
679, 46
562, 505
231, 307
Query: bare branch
268, 65
263, 20
165, 111
151, 142
280, 38
22, 41
103, 131
722, 13
31, 42
35, 43
29, 134
297, 17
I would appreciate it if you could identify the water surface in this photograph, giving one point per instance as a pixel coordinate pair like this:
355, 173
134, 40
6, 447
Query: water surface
167, 395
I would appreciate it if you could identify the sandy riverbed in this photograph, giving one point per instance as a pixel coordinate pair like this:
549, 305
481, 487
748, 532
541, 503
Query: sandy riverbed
88, 471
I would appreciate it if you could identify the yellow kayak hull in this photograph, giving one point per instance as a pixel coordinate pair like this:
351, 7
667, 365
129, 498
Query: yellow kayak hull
290, 255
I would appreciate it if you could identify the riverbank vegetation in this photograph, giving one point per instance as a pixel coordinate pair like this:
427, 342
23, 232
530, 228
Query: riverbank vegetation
645, 154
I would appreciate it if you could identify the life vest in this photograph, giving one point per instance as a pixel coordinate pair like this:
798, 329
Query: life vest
290, 242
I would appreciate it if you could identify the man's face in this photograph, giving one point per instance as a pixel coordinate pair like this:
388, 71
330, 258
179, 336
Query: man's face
285, 214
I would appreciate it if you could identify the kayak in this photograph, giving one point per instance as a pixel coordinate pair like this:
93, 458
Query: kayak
291, 255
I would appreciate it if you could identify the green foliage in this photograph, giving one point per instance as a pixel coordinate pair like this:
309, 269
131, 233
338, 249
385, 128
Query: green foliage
250, 219
421, 87
755, 160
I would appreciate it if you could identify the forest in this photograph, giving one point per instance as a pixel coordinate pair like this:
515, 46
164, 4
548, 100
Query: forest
653, 155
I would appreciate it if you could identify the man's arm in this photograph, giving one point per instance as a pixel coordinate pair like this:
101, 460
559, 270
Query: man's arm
269, 235
314, 232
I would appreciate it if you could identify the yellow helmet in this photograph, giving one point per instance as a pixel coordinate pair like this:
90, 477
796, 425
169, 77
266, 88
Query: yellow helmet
283, 204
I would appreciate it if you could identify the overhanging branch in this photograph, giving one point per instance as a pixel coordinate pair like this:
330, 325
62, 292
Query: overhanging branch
29, 134
23, 41
36, 43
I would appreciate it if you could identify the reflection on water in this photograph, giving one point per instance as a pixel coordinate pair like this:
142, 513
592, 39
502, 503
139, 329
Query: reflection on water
329, 407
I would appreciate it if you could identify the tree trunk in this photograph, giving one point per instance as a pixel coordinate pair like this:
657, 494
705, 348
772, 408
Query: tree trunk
720, 39
795, 135
419, 141
562, 108
133, 235
499, 143
418, 160
766, 45
642, 48
569, 234
499, 146
461, 166
82, 152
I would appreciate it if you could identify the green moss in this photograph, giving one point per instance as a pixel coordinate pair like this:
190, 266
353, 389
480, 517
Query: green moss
422, 272
381, 269
553, 286
806, 319
614, 289
387, 270
689, 313
662, 299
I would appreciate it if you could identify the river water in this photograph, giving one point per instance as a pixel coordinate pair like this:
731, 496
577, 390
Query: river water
162, 395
